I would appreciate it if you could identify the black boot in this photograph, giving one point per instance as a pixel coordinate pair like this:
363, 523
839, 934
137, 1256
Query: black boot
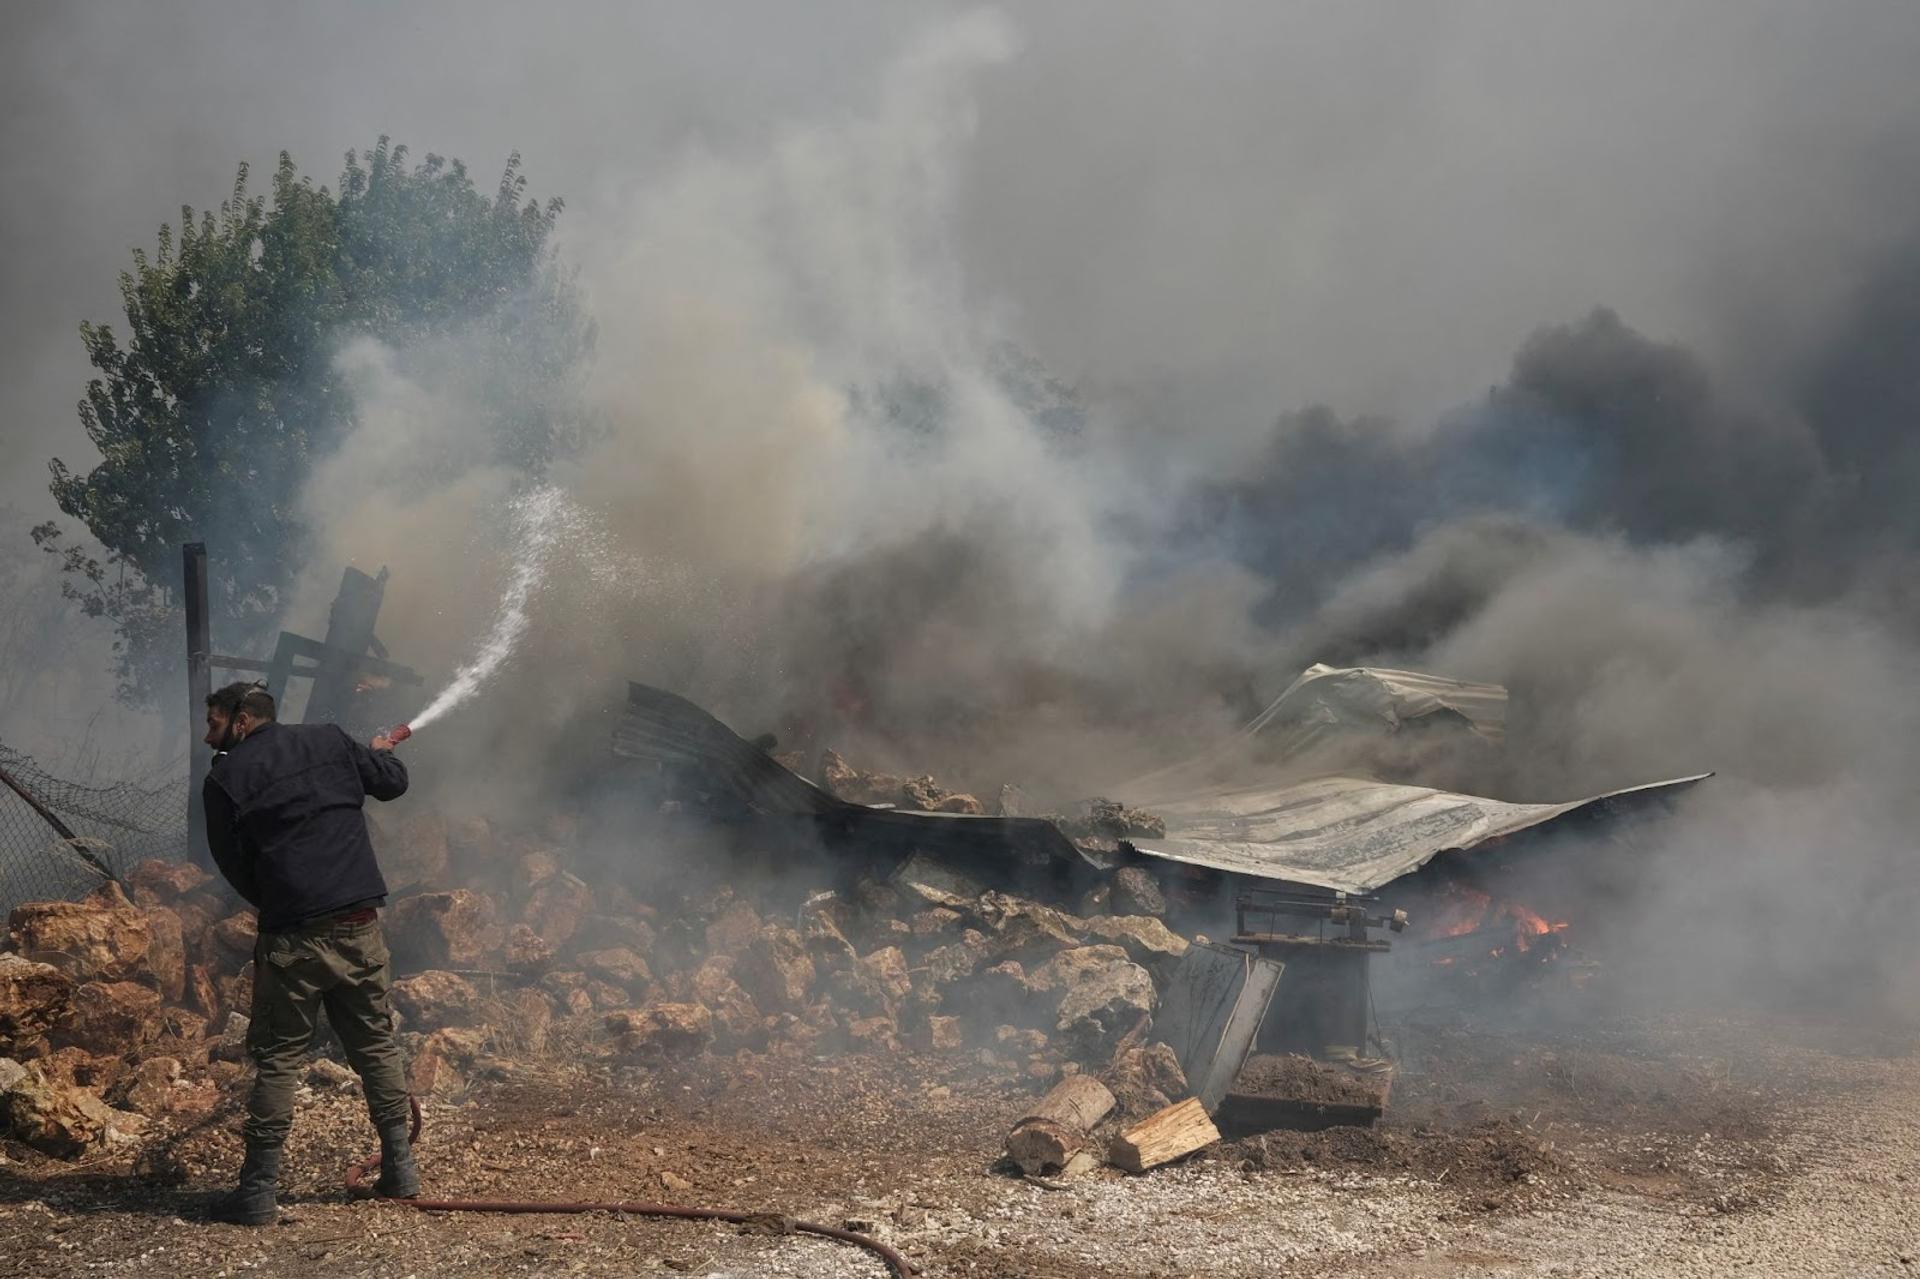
399, 1178
252, 1202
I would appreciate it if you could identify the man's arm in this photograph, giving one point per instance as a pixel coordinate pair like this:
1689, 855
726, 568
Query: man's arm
382, 775
225, 843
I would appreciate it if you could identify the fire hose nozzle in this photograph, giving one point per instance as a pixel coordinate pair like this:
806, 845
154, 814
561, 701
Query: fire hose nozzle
399, 733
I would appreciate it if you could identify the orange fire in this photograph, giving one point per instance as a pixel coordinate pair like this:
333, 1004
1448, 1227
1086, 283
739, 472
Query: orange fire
1530, 924
1468, 910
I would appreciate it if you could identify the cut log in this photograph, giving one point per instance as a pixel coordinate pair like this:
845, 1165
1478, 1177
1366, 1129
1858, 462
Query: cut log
1164, 1136
1078, 1101
1057, 1127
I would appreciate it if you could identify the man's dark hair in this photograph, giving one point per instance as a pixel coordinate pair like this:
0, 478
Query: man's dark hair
254, 699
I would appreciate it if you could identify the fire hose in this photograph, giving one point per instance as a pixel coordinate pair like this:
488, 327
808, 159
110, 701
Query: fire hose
897, 1265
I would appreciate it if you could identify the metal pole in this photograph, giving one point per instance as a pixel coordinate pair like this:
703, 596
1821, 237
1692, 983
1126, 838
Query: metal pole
199, 685
60, 828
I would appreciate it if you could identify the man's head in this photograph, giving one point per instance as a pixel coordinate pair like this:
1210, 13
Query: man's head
235, 711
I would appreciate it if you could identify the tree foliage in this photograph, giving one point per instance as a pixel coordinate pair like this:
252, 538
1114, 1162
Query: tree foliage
211, 413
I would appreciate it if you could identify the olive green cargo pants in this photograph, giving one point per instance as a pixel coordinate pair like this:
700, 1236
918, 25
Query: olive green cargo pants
343, 968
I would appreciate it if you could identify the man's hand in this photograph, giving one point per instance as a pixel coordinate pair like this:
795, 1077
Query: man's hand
382, 743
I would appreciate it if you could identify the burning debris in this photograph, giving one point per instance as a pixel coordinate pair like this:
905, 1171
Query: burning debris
905, 919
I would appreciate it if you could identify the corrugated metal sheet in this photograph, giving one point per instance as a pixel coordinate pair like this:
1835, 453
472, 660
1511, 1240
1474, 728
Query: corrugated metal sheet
1378, 699
1327, 710
1278, 801
1342, 833
700, 756
1349, 833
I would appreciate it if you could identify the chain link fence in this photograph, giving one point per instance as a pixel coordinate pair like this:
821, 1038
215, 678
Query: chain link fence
113, 827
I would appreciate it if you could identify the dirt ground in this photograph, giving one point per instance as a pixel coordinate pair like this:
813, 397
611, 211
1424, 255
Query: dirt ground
1679, 1146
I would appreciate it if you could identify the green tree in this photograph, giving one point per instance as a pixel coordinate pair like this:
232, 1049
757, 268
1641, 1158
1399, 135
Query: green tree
209, 418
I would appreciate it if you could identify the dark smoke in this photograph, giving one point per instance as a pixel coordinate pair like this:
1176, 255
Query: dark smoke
954, 381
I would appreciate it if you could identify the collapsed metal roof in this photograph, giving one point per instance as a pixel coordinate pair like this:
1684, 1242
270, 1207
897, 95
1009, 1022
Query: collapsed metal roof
1352, 834
1262, 805
1349, 833
706, 758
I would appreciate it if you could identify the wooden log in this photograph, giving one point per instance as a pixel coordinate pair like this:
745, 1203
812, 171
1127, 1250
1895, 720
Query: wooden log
1164, 1136
1058, 1125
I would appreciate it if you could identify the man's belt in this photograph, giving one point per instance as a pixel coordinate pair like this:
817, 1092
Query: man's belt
365, 915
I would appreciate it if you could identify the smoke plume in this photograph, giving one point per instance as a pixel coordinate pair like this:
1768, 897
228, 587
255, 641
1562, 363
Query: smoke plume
1028, 400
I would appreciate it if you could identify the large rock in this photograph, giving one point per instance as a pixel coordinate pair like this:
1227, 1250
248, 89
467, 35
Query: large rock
102, 937
533, 869
887, 969
661, 1030
203, 992
823, 929
947, 964
161, 883
234, 937
149, 1089
1103, 995
1021, 928
196, 929
454, 929
937, 883
1146, 1079
875, 985
929, 796
113, 1017
167, 952
618, 965
558, 907
776, 970
236, 991
60, 1119
439, 1062
873, 1034
434, 999
733, 930
844, 781
1145, 939
944, 1034
34, 998
527, 952
232, 1043
75, 1065
1137, 892
737, 1022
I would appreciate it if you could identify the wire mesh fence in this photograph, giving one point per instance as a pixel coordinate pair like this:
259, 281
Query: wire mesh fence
112, 828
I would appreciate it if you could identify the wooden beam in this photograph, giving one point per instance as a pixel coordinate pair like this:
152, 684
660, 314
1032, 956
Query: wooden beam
349, 635
1164, 1136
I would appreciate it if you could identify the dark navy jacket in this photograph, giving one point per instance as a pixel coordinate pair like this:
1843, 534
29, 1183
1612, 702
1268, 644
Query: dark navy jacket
284, 821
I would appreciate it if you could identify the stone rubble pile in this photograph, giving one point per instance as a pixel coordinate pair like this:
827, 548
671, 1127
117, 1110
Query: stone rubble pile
128, 1007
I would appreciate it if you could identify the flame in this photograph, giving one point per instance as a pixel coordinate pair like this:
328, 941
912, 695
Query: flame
1530, 925
1464, 912
1468, 910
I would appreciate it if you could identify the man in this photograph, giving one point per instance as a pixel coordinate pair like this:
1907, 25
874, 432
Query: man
285, 828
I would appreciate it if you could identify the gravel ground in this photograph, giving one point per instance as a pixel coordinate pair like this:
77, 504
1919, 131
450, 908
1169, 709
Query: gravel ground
1623, 1151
